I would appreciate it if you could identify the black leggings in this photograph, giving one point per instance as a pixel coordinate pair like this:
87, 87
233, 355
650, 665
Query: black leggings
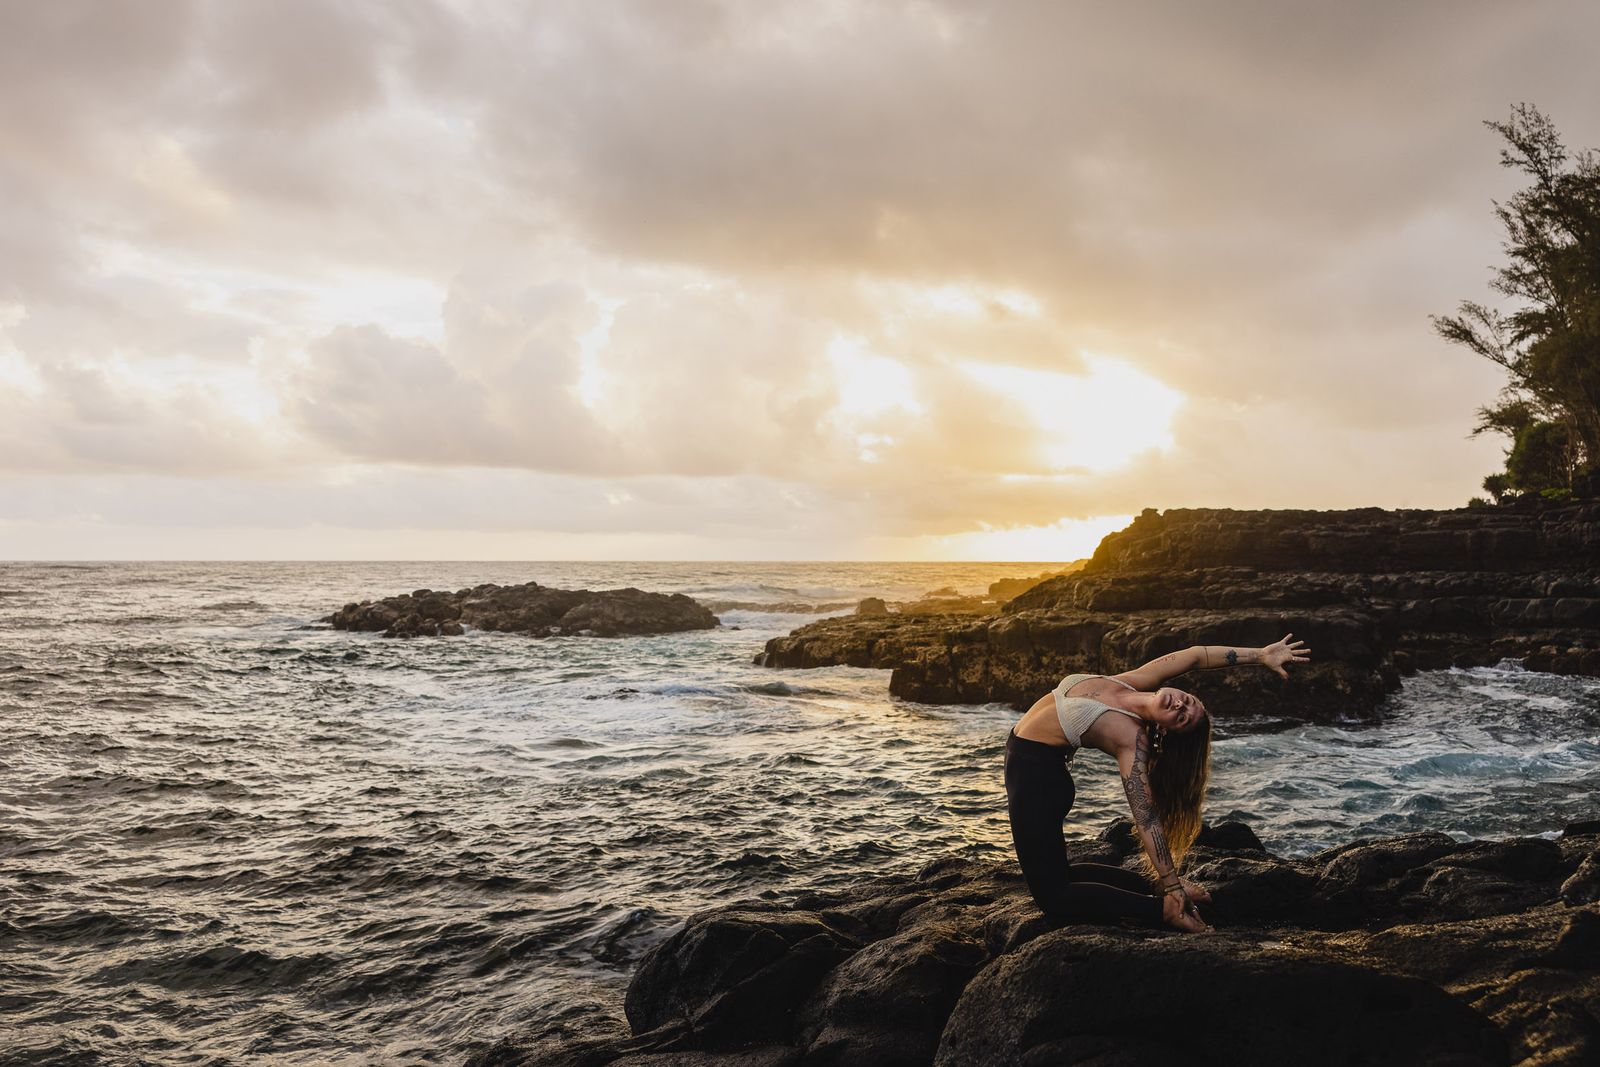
1039, 794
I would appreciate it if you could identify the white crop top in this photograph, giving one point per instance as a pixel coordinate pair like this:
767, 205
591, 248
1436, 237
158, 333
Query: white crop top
1077, 714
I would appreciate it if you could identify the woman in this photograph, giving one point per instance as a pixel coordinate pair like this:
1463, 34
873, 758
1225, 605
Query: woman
1161, 740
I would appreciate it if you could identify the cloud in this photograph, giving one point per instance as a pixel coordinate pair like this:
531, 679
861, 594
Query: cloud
626, 242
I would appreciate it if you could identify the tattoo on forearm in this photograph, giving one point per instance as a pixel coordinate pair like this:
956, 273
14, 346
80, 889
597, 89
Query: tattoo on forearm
1136, 784
1167, 665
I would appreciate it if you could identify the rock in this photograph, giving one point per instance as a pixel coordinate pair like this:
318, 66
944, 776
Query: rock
1011, 588
615, 612
1255, 889
1528, 859
1082, 996
1466, 893
1230, 836
1418, 949
1008, 927
783, 607
872, 606
530, 609
947, 602
1366, 863
1016, 658
1578, 944
771, 1056
887, 1004
1120, 836
1584, 885
1375, 593
735, 978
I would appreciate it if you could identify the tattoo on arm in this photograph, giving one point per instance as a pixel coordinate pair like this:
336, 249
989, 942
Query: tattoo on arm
1136, 784
1168, 665
1222, 656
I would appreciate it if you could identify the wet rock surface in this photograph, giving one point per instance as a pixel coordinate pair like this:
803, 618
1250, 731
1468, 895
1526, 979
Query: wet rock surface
1409, 950
531, 608
1377, 594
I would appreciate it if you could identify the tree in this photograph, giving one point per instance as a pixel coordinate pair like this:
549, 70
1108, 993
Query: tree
1549, 344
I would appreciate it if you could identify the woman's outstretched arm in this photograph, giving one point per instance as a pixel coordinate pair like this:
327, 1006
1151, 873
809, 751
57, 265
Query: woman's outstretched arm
1205, 657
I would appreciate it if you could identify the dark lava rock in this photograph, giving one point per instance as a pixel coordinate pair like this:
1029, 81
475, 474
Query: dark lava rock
1095, 997
1375, 593
1011, 588
1584, 885
735, 978
1411, 950
529, 609
1232, 836
1249, 888
885, 1005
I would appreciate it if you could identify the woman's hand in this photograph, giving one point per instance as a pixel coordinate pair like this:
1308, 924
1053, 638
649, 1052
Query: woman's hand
1195, 890
1285, 651
1178, 911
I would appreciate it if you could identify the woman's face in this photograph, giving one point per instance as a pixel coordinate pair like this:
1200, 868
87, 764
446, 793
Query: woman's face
1177, 710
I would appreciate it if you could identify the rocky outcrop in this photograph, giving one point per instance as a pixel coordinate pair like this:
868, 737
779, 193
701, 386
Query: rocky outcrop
532, 609
1377, 594
948, 601
1007, 589
783, 607
1410, 950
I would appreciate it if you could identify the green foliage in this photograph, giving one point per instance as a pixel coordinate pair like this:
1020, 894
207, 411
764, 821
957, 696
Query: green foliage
1549, 342
1542, 457
1477, 502
1556, 494
1498, 486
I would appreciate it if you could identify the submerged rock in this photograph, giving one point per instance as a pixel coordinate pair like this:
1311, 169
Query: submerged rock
1344, 957
529, 609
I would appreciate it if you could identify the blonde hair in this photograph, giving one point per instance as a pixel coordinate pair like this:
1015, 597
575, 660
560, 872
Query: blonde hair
1177, 780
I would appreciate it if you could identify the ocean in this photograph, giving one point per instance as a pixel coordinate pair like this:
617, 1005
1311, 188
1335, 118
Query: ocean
230, 834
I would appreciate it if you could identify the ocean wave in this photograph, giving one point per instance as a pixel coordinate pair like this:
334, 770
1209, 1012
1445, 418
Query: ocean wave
569, 742
221, 966
91, 925
1459, 765
781, 689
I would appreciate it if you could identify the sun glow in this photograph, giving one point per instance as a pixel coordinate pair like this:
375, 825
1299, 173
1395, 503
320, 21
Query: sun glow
1061, 541
1092, 423
870, 384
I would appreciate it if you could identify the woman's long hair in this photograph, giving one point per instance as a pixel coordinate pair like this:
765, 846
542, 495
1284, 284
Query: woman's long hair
1178, 787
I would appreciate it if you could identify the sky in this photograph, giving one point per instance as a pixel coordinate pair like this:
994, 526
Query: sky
720, 280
